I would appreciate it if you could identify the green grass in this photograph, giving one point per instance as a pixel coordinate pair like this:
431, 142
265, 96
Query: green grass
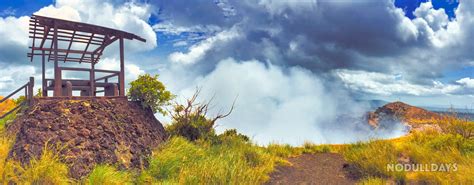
47, 169
455, 145
230, 158
5, 166
108, 175
184, 162
6, 120
372, 181
370, 159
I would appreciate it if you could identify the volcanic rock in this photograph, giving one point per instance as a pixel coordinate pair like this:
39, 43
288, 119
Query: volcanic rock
399, 111
89, 131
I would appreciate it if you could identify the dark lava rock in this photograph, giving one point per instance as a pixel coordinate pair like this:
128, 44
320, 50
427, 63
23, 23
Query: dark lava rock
89, 130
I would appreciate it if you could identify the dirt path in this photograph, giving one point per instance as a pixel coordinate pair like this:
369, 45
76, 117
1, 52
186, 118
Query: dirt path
322, 168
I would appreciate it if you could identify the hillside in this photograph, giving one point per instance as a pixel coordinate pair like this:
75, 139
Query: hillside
414, 117
100, 147
87, 131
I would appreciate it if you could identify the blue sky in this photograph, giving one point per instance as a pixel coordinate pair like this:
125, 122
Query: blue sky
409, 6
303, 62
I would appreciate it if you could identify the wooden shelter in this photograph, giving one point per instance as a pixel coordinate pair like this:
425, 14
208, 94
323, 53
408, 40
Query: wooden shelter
62, 41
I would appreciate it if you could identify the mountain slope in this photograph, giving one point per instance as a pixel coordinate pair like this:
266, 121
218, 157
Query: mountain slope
415, 117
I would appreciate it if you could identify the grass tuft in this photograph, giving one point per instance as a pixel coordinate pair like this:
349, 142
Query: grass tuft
106, 174
182, 161
47, 169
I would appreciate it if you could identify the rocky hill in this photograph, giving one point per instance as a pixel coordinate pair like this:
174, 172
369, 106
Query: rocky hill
88, 131
414, 117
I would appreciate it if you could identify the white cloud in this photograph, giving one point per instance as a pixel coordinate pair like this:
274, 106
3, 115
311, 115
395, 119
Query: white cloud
131, 17
14, 35
10, 80
132, 71
180, 43
437, 19
467, 82
279, 7
387, 84
169, 28
277, 105
197, 51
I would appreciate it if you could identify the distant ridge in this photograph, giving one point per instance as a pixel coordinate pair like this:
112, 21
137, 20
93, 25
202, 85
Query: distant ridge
414, 117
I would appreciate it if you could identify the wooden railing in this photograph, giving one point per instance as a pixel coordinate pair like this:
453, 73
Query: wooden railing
87, 87
28, 96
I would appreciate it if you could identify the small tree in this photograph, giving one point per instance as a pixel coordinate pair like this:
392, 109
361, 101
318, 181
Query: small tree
190, 120
150, 92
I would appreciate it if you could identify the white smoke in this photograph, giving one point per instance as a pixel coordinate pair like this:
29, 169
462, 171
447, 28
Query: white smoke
279, 105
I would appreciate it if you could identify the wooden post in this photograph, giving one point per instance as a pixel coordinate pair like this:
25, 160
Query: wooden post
43, 77
92, 76
31, 85
122, 70
68, 89
57, 71
116, 91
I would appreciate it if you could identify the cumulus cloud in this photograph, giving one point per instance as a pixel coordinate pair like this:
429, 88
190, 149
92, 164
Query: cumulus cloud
280, 105
130, 16
468, 82
132, 71
14, 34
436, 19
9, 80
319, 37
386, 84
197, 52
376, 50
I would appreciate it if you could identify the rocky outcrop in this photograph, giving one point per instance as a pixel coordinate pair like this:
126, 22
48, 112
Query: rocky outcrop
89, 131
401, 112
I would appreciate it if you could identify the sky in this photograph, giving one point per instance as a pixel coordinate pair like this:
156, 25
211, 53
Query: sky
301, 61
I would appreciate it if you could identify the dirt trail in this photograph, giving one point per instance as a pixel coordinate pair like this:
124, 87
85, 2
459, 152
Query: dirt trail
322, 168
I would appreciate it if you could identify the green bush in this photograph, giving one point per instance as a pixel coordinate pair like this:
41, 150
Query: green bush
150, 92
192, 127
232, 134
190, 120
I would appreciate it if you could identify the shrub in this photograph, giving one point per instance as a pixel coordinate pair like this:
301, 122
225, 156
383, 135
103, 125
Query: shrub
463, 127
150, 92
192, 127
191, 122
105, 174
232, 134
